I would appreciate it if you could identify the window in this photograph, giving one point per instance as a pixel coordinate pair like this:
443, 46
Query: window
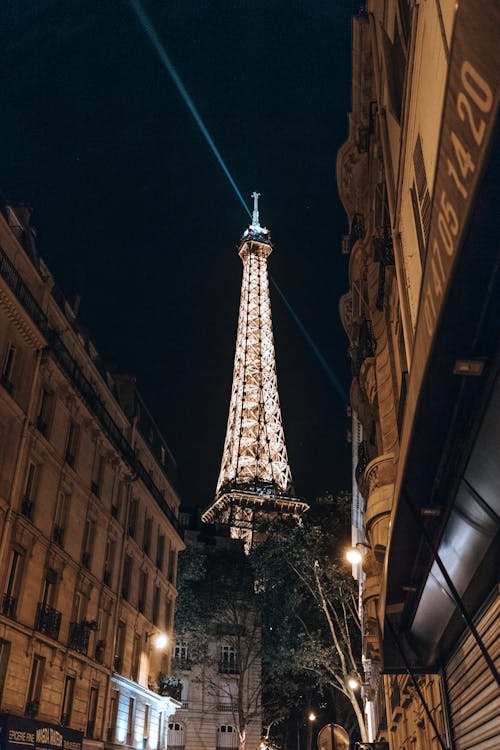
72, 444
8, 367
146, 539
181, 655
113, 715
88, 543
130, 720
136, 657
175, 735
228, 663
143, 591
48, 619
160, 550
117, 500
30, 488
127, 576
4, 663
181, 651
146, 721
67, 703
227, 736
35, 685
172, 564
9, 602
109, 560
161, 739
421, 201
49, 587
120, 646
132, 517
98, 470
102, 631
156, 605
92, 712
44, 412
60, 518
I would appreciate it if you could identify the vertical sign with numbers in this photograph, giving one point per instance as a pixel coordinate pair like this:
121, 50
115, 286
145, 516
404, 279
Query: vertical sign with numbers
470, 114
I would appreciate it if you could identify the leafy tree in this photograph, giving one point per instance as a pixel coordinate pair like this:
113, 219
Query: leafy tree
311, 626
216, 605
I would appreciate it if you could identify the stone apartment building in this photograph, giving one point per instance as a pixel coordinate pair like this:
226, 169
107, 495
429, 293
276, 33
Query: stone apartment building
89, 532
418, 177
218, 662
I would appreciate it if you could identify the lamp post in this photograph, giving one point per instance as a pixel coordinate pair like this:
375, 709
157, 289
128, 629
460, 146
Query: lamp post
312, 719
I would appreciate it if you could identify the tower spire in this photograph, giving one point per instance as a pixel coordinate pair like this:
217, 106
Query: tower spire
255, 480
255, 215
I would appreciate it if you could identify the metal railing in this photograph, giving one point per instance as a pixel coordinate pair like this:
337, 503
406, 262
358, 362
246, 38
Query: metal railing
48, 620
79, 636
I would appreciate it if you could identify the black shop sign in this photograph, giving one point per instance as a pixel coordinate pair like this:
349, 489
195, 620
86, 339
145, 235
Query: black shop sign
21, 733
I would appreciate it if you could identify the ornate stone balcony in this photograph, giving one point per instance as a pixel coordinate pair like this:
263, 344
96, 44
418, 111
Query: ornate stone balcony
377, 487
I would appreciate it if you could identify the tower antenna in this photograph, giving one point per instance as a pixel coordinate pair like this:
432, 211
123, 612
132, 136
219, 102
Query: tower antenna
255, 215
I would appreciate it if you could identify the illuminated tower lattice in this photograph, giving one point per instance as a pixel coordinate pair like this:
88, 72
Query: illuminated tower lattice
255, 478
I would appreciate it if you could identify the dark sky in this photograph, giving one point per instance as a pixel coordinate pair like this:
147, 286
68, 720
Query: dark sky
134, 213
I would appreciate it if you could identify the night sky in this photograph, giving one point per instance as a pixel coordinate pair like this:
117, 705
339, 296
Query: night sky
134, 213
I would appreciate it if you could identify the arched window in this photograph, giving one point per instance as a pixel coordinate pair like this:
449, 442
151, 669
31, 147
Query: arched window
227, 737
176, 735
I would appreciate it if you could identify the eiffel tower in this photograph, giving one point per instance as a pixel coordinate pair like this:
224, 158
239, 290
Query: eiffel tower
255, 481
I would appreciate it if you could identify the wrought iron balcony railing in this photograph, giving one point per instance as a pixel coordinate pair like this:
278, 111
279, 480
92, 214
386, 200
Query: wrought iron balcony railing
79, 635
48, 620
9, 604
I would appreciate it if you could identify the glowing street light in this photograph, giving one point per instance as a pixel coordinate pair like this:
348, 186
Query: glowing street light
160, 641
353, 683
312, 716
353, 556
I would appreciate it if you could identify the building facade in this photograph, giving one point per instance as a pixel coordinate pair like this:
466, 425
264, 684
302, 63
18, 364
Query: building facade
418, 176
89, 532
218, 662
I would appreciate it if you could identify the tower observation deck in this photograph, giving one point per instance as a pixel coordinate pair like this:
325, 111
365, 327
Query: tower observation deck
255, 480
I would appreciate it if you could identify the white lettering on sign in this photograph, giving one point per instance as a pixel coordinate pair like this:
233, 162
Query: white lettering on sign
474, 100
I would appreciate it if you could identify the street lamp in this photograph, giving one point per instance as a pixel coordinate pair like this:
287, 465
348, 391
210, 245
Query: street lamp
353, 682
354, 555
312, 719
159, 640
